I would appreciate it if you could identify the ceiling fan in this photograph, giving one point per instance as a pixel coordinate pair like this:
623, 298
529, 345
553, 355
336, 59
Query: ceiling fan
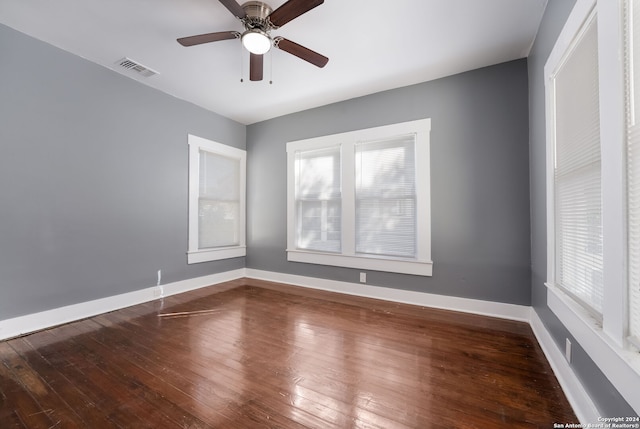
258, 20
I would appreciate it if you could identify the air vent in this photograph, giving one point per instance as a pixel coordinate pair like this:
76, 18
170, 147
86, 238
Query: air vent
131, 65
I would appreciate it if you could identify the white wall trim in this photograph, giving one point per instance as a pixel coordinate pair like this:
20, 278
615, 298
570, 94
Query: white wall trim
465, 305
414, 267
571, 385
577, 396
200, 282
620, 366
21, 325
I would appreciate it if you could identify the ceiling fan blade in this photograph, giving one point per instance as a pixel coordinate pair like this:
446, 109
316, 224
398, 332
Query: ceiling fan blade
209, 37
234, 8
256, 67
301, 52
291, 10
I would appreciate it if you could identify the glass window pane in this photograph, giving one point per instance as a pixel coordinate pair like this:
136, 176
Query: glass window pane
219, 201
318, 200
578, 194
386, 197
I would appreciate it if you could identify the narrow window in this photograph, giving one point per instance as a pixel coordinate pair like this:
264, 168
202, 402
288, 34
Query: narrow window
216, 201
386, 197
577, 172
318, 199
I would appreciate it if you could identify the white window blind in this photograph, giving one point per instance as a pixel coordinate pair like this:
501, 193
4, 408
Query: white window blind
318, 199
219, 201
386, 197
577, 175
632, 55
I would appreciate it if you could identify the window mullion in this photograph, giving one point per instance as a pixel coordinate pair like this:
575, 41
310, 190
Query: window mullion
348, 198
612, 123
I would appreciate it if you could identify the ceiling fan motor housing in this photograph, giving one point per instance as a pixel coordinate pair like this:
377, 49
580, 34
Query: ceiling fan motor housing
257, 13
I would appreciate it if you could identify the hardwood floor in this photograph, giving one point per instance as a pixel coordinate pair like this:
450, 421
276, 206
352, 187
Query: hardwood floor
252, 354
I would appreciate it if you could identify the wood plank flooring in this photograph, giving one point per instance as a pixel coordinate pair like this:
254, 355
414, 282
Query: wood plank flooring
253, 354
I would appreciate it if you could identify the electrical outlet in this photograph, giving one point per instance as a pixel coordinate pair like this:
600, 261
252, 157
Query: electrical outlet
363, 277
567, 350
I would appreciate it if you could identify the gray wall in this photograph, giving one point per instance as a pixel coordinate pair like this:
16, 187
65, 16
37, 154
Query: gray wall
93, 179
606, 397
93, 183
479, 177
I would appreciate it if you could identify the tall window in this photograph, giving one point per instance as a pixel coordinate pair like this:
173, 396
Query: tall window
216, 201
361, 199
593, 187
386, 197
318, 199
577, 181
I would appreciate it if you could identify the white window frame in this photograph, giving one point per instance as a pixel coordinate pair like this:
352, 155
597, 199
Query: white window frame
194, 253
604, 340
422, 263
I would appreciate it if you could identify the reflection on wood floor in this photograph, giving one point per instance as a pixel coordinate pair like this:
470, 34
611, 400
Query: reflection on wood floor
253, 354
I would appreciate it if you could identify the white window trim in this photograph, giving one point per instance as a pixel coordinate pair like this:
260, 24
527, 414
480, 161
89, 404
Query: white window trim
605, 341
422, 264
194, 254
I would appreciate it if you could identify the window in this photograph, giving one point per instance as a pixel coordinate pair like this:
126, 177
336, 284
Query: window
576, 175
361, 199
216, 201
592, 179
318, 199
386, 197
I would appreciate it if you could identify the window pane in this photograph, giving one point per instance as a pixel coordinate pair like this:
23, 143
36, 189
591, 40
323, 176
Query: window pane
386, 197
318, 200
219, 201
319, 225
578, 195
218, 223
219, 176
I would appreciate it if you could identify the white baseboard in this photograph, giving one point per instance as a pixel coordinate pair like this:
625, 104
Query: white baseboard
200, 282
21, 325
485, 308
577, 396
573, 389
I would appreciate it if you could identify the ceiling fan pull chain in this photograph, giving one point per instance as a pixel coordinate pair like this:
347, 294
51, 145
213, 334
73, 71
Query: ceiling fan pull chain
241, 64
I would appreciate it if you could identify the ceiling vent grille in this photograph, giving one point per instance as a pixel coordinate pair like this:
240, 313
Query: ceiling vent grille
131, 65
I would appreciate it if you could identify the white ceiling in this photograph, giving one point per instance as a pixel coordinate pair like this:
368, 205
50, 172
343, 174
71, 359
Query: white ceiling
372, 45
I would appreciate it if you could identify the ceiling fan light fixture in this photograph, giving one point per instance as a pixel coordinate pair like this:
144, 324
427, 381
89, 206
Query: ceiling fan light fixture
256, 41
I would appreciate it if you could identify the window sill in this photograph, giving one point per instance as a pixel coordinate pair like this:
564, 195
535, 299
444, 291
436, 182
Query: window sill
620, 365
402, 266
206, 255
